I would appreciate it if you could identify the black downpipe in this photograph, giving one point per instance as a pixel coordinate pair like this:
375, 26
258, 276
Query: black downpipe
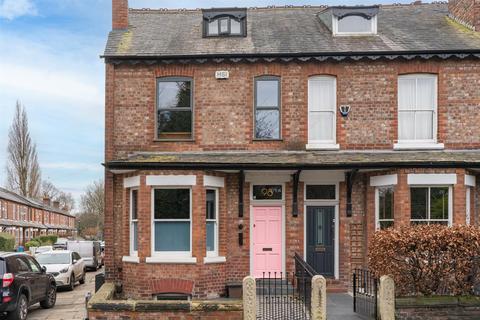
296, 178
241, 182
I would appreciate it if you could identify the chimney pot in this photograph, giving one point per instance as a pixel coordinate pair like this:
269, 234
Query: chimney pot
119, 14
56, 204
46, 201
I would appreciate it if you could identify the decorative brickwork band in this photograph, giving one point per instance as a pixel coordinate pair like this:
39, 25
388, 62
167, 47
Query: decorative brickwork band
249, 298
386, 298
319, 298
172, 286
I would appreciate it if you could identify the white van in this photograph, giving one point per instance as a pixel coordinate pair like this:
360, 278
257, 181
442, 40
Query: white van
90, 252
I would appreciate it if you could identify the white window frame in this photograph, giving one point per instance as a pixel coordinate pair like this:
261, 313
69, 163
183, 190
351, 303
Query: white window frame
213, 253
323, 144
169, 256
133, 253
373, 28
450, 204
377, 206
468, 209
419, 143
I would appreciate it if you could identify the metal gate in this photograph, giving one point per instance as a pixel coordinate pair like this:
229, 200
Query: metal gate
365, 294
285, 296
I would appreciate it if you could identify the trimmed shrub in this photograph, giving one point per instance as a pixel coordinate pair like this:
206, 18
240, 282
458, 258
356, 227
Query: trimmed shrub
427, 259
7, 242
32, 243
46, 240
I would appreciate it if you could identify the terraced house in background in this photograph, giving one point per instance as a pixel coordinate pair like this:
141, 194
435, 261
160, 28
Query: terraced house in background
27, 218
239, 137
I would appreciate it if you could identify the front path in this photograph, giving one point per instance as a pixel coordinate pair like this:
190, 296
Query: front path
340, 307
70, 304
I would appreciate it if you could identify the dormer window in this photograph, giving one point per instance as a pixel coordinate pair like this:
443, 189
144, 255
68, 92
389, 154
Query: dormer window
351, 21
224, 22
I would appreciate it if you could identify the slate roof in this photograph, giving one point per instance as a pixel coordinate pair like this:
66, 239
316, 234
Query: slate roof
289, 31
297, 160
12, 196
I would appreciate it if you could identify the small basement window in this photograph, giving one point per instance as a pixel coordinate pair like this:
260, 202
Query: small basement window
172, 296
224, 22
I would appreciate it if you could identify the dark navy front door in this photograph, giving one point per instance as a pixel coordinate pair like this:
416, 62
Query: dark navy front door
320, 239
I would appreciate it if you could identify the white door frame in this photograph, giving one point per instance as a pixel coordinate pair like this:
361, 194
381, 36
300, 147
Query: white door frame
323, 203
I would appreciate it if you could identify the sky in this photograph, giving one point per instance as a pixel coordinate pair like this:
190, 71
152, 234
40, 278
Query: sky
50, 62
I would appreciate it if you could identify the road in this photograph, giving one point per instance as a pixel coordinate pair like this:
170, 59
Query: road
70, 304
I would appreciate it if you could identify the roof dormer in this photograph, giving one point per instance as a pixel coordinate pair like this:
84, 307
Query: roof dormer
351, 20
225, 22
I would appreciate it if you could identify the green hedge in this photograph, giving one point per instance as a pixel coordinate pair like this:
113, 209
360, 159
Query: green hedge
32, 243
46, 240
7, 242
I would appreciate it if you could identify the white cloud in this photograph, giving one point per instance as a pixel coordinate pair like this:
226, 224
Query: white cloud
71, 166
11, 9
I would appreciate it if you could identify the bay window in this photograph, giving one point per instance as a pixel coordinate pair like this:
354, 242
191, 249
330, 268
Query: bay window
172, 222
384, 207
430, 205
133, 222
212, 222
322, 112
417, 110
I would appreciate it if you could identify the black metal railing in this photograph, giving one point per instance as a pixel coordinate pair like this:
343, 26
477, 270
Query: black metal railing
279, 297
304, 274
365, 287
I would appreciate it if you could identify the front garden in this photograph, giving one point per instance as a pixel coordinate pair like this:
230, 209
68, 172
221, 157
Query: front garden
436, 269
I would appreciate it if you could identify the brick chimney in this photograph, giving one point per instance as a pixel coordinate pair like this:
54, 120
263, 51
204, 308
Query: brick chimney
46, 201
119, 14
56, 204
466, 12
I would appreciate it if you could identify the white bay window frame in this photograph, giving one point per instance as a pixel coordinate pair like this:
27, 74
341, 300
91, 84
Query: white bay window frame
318, 108
428, 219
417, 110
132, 222
184, 257
214, 253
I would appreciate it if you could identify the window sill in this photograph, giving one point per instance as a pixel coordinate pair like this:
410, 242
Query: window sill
172, 260
418, 146
209, 260
320, 146
131, 259
174, 140
267, 140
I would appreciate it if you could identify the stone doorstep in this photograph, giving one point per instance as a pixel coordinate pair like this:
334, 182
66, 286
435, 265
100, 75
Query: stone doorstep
102, 301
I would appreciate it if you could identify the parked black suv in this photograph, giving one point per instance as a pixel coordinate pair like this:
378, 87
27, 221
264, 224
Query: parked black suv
24, 283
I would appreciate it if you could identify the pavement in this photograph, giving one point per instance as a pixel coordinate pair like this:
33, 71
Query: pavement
70, 305
340, 307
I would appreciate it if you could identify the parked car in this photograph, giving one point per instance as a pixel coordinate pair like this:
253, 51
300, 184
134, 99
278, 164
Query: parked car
61, 244
66, 266
90, 252
42, 249
24, 283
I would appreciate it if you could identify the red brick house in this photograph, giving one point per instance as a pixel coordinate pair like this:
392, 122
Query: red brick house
238, 137
26, 218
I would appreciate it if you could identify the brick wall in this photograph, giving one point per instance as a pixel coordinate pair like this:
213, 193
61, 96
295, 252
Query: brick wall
224, 121
466, 12
119, 14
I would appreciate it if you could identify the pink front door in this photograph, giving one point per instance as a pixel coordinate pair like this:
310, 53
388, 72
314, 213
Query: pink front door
267, 241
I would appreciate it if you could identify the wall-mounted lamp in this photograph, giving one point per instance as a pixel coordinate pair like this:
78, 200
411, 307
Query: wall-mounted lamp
344, 110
